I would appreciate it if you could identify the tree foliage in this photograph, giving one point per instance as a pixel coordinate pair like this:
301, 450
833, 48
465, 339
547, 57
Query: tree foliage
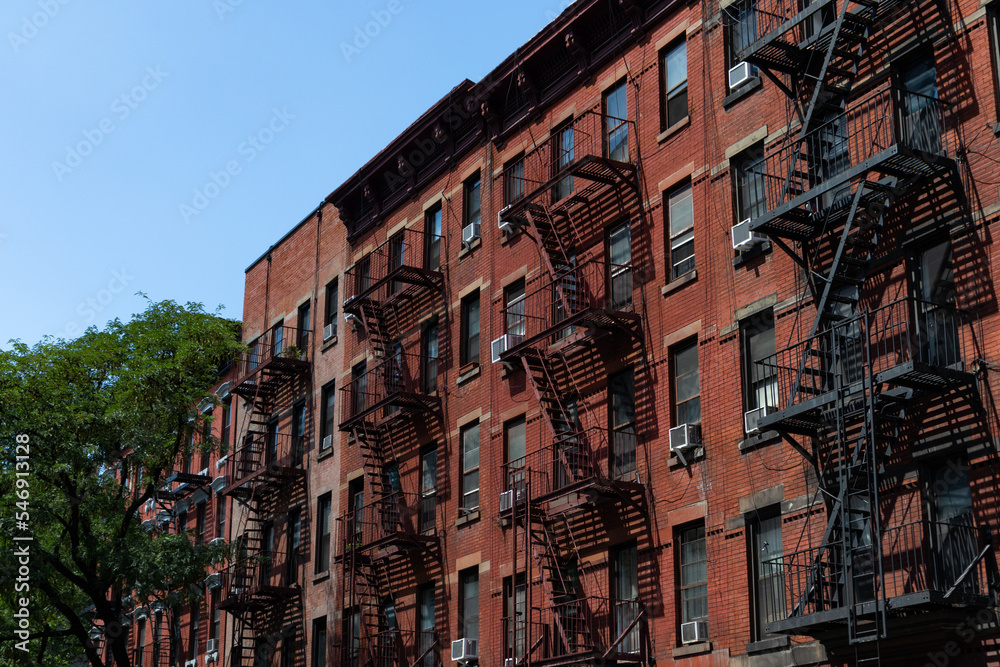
106, 416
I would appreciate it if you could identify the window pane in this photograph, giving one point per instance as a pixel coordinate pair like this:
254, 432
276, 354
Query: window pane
681, 209
676, 66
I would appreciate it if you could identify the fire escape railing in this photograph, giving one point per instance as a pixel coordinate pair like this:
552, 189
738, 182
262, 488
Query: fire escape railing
276, 345
409, 257
595, 293
260, 574
588, 136
261, 450
394, 516
905, 331
559, 467
844, 146
918, 557
396, 382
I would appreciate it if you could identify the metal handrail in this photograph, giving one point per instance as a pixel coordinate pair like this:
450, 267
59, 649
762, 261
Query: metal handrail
407, 249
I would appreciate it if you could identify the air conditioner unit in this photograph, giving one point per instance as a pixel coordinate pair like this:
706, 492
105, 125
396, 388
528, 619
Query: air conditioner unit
191, 663
684, 437
506, 501
328, 331
221, 462
504, 343
740, 74
510, 662
751, 418
508, 223
218, 540
743, 238
694, 632
214, 580
352, 319
470, 233
327, 442
211, 657
150, 504
147, 525
465, 650
211, 645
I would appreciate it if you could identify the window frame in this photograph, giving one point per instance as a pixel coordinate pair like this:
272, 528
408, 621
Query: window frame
625, 430
676, 375
754, 382
324, 508
328, 408
683, 538
319, 640
303, 323
515, 474
513, 180
514, 295
613, 132
472, 200
433, 233
469, 351
468, 471
678, 194
668, 92
430, 338
332, 307
748, 173
466, 579
755, 523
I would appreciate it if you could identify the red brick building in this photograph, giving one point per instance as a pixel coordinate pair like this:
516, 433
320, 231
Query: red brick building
673, 340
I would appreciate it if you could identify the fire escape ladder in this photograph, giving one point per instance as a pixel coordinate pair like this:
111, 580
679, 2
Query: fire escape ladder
561, 422
372, 456
560, 591
554, 252
374, 323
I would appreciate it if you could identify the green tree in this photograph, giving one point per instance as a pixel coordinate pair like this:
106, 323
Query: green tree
102, 420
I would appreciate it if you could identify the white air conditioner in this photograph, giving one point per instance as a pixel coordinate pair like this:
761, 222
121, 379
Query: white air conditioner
751, 418
213, 580
328, 331
352, 319
684, 437
211, 645
150, 504
508, 223
504, 343
470, 233
506, 501
140, 613
221, 462
510, 662
147, 525
465, 650
191, 663
327, 442
743, 238
694, 632
211, 657
218, 540
740, 74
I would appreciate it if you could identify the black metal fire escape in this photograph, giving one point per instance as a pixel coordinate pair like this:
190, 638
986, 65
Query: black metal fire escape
554, 489
826, 192
395, 281
262, 587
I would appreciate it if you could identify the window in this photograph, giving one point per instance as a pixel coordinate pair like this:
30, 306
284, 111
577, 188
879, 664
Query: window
397, 259
432, 225
620, 265
751, 195
673, 68
305, 323
934, 286
356, 505
220, 516
294, 543
319, 642
680, 211
298, 431
622, 387
993, 21
193, 632
472, 201
215, 627
515, 619
328, 399
767, 581
182, 522
227, 424
686, 390
430, 360
273, 442
513, 180
468, 603
760, 380
330, 320
616, 123
428, 488
470, 466
514, 453
953, 537
513, 297
469, 353
206, 439
425, 624
625, 584
200, 524
692, 561
742, 29
323, 533
562, 158
140, 642
363, 275
359, 388
352, 634
278, 336
920, 119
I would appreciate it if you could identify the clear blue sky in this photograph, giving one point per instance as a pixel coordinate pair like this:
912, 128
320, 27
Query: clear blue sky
116, 112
